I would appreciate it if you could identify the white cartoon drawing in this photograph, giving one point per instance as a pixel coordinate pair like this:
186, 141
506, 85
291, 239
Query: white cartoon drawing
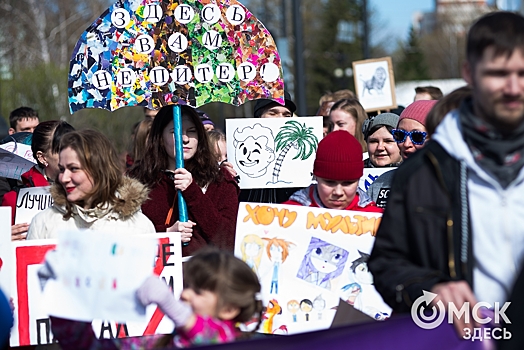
254, 150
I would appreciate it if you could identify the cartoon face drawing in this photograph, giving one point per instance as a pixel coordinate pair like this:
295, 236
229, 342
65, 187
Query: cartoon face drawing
360, 269
293, 306
254, 150
252, 249
326, 259
322, 263
306, 305
276, 253
319, 303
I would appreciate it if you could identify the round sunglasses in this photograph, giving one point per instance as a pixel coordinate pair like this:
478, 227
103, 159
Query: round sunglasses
417, 137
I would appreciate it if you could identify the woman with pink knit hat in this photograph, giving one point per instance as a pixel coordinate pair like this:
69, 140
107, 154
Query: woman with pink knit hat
338, 167
411, 135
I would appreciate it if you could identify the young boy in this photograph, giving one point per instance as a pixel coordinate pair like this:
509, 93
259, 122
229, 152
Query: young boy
338, 167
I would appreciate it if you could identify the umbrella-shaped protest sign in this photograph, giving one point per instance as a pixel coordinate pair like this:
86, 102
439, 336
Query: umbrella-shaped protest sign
155, 53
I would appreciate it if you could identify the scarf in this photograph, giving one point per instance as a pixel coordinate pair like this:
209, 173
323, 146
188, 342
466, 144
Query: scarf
500, 155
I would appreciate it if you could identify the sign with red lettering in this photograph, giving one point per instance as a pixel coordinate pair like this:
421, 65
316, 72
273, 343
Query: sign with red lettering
32, 326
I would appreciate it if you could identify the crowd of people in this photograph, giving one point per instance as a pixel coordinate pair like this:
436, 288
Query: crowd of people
451, 216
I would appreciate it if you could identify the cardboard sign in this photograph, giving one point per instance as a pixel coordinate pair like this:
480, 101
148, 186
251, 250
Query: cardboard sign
31, 201
32, 326
307, 259
273, 152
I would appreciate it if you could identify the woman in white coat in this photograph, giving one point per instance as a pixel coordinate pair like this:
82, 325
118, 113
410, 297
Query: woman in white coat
91, 192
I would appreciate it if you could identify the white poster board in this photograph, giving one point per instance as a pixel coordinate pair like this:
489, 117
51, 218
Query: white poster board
97, 275
6, 257
370, 175
31, 201
32, 326
306, 259
273, 152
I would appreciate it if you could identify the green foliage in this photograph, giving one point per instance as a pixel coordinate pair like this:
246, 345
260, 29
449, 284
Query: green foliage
412, 64
299, 134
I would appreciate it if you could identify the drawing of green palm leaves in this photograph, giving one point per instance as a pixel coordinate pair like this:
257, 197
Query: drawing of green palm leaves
297, 135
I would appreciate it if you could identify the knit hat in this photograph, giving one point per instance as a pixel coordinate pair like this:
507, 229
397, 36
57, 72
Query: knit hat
339, 157
418, 111
388, 119
204, 118
261, 104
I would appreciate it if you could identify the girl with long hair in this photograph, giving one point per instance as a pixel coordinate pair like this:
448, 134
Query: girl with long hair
210, 191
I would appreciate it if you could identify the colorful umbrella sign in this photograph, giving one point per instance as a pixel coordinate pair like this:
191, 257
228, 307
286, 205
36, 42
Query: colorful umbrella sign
155, 53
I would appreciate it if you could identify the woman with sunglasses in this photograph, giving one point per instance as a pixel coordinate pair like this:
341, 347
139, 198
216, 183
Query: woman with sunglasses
410, 135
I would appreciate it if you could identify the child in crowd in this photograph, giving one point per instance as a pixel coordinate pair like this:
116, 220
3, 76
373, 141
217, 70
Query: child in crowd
338, 167
219, 292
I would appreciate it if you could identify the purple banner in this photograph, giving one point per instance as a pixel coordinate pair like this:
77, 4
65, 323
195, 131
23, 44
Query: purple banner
396, 333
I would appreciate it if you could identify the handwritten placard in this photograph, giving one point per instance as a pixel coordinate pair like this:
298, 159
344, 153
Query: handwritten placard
32, 325
307, 259
31, 201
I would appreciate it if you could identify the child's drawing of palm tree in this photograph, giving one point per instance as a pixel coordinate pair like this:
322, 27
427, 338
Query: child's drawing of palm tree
296, 135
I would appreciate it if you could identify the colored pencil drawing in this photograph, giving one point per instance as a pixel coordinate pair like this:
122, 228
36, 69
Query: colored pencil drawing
322, 263
277, 252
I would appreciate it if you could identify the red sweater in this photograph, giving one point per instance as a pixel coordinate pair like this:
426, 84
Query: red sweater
215, 212
370, 208
31, 178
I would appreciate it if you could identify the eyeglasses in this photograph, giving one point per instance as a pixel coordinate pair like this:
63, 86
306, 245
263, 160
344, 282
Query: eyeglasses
417, 137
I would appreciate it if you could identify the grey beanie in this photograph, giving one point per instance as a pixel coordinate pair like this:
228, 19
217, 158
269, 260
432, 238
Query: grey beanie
385, 119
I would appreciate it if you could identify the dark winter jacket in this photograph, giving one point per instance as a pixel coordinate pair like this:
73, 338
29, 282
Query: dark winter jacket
421, 241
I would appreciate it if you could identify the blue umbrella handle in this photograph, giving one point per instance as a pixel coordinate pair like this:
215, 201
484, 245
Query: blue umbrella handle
179, 160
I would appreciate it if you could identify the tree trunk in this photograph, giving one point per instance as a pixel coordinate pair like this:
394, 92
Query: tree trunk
280, 159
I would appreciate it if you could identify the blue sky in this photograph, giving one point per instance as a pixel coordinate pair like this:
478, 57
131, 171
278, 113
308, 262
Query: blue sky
397, 15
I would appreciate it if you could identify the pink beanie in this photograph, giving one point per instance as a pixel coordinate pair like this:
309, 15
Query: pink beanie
418, 111
339, 157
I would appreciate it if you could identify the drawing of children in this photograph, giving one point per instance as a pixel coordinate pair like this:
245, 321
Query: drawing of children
306, 306
293, 306
277, 251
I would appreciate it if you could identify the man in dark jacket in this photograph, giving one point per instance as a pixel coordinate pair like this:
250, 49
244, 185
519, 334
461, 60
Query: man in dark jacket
454, 224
